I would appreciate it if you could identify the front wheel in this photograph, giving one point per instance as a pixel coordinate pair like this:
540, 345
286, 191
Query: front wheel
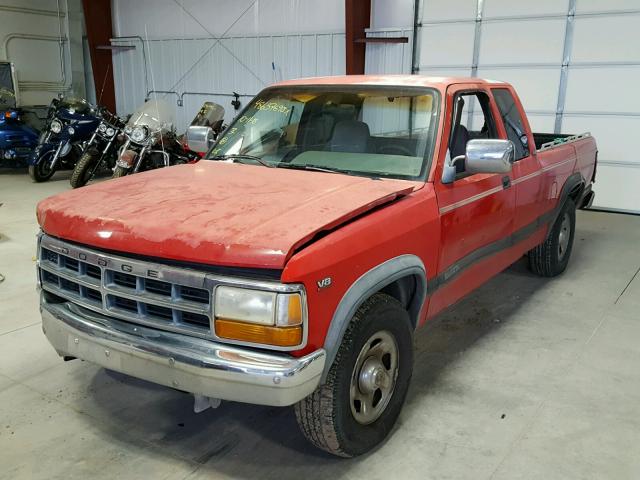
42, 171
119, 172
357, 406
551, 257
83, 170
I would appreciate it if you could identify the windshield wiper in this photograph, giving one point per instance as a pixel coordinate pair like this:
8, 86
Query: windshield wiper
242, 156
310, 167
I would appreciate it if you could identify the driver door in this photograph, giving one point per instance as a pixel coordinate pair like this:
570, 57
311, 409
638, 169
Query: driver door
476, 211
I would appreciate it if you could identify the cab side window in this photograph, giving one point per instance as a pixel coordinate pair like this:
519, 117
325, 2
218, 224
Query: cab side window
471, 119
512, 121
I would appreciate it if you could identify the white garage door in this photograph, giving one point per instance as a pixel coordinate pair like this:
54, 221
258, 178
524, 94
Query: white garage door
575, 63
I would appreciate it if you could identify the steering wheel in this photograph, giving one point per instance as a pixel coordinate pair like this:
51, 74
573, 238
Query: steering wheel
396, 150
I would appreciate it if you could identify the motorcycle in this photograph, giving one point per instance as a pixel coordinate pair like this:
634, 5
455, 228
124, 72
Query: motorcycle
101, 151
17, 139
151, 138
72, 123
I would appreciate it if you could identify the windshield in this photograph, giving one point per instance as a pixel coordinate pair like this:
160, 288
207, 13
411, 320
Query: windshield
75, 105
156, 114
370, 131
7, 89
7, 98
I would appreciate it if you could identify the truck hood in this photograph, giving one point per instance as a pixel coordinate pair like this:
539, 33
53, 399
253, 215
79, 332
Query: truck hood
214, 212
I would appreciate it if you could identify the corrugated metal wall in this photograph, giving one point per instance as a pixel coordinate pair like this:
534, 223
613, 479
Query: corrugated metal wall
389, 57
221, 47
261, 60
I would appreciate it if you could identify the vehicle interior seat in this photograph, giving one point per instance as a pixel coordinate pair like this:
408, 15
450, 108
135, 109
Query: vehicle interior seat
459, 145
351, 136
317, 131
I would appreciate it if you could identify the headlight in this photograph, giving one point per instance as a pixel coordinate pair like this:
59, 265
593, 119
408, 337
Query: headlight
258, 316
139, 134
71, 130
102, 127
56, 126
110, 132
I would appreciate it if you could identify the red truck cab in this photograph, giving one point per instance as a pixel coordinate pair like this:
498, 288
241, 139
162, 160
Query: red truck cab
292, 265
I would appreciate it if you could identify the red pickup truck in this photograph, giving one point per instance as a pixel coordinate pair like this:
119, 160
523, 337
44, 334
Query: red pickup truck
291, 266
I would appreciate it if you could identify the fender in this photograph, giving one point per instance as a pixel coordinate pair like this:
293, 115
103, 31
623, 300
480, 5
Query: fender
40, 150
575, 181
369, 283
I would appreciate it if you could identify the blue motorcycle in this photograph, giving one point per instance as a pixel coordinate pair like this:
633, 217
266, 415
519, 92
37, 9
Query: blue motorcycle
17, 139
61, 145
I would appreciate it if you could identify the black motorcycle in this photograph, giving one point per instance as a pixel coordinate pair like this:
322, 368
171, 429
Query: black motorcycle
71, 121
101, 151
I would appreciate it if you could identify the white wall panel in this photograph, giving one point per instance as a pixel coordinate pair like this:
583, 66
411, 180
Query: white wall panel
439, 10
585, 92
537, 87
590, 6
446, 72
390, 57
617, 137
522, 42
39, 71
541, 122
166, 18
510, 8
616, 188
620, 31
391, 14
241, 64
447, 44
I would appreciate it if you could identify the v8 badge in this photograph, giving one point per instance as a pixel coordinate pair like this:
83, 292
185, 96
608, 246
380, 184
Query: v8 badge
324, 283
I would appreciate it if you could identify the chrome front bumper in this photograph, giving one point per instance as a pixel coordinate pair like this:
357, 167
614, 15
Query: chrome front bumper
186, 363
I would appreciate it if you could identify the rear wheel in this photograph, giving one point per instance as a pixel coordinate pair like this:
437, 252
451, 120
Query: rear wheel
551, 257
357, 406
83, 170
42, 171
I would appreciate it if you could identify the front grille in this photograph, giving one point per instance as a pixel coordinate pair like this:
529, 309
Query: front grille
150, 294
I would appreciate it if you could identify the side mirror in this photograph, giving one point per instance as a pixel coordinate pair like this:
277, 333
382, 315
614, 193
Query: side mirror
482, 156
200, 138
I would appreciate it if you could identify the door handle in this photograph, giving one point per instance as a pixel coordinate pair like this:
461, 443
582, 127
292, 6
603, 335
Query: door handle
506, 182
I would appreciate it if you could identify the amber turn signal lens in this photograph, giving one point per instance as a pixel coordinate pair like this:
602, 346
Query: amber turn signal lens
247, 332
294, 309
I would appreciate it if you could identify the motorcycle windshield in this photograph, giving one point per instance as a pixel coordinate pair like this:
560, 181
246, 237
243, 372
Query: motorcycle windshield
7, 99
156, 115
209, 115
75, 105
7, 89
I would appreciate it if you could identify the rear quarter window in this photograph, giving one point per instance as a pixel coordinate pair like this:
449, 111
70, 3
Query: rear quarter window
512, 121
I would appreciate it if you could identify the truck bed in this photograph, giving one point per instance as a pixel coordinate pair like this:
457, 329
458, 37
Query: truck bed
547, 140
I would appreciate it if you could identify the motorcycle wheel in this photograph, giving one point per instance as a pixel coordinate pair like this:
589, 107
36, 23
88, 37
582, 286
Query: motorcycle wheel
82, 171
119, 172
42, 171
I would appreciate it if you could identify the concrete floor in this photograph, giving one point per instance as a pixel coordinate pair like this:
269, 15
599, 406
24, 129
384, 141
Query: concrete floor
527, 378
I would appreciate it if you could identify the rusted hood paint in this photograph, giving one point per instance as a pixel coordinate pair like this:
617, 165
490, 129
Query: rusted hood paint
213, 212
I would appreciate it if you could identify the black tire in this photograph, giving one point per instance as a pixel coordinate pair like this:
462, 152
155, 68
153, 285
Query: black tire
325, 417
119, 172
40, 172
82, 171
551, 257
